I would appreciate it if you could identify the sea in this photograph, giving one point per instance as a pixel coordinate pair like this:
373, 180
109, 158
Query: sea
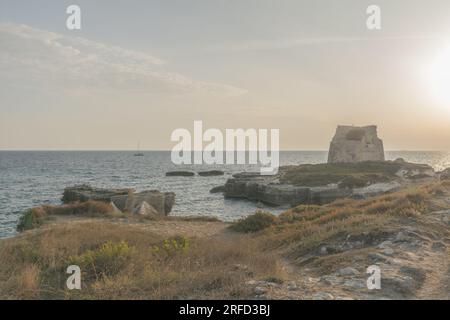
32, 178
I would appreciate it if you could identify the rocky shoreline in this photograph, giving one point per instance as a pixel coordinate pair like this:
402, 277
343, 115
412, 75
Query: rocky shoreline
308, 252
150, 202
278, 191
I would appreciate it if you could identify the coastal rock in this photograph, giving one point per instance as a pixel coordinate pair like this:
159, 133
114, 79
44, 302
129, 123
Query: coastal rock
85, 192
123, 199
162, 202
211, 173
219, 189
445, 174
115, 210
376, 189
260, 188
418, 171
180, 174
266, 189
325, 183
355, 144
348, 271
145, 209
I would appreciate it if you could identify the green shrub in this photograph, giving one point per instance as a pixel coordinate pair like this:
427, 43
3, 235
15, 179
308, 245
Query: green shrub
171, 247
31, 219
306, 208
107, 260
254, 223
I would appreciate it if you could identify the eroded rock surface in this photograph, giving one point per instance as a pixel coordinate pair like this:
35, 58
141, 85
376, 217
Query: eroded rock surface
123, 199
325, 183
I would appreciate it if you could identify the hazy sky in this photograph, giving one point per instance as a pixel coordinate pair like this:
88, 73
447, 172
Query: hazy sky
137, 70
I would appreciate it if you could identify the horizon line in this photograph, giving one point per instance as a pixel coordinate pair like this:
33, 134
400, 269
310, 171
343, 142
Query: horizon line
168, 150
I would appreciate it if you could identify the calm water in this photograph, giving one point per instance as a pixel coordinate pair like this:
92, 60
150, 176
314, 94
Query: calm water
31, 178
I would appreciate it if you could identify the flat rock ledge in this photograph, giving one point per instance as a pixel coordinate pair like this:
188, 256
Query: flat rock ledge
267, 190
272, 190
180, 174
152, 201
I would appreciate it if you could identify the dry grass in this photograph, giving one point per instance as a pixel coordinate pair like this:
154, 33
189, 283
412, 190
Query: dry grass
124, 262
305, 228
36, 217
89, 208
344, 174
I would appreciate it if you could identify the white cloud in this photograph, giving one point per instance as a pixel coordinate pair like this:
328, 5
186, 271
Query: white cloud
31, 56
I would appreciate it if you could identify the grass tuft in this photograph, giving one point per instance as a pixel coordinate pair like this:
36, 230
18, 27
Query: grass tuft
254, 223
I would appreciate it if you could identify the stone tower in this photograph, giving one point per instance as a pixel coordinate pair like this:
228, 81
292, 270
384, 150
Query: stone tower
355, 144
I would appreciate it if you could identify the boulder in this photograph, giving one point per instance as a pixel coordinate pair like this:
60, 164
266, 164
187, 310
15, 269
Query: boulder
115, 210
218, 189
145, 209
85, 192
415, 171
348, 271
180, 174
445, 174
123, 199
266, 190
211, 173
353, 144
162, 202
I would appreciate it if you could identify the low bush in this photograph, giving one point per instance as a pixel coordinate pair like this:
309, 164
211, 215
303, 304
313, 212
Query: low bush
121, 261
31, 219
254, 223
107, 260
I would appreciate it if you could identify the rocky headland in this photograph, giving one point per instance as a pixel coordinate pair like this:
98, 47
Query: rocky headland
353, 213
325, 183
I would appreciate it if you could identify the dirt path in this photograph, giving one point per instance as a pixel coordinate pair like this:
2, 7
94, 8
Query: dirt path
166, 228
198, 229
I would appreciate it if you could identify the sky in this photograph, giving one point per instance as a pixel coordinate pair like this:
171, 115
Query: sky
138, 70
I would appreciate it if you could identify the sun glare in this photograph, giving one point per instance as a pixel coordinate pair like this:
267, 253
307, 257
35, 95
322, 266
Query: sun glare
439, 78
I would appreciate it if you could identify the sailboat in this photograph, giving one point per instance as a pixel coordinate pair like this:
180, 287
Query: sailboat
138, 153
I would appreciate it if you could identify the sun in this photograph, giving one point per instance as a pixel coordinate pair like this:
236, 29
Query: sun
439, 78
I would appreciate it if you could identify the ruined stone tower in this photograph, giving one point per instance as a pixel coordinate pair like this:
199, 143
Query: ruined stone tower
355, 144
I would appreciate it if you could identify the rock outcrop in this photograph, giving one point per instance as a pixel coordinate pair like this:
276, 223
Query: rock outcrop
145, 209
123, 199
266, 190
355, 144
218, 189
295, 185
85, 192
162, 202
180, 174
211, 173
445, 174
